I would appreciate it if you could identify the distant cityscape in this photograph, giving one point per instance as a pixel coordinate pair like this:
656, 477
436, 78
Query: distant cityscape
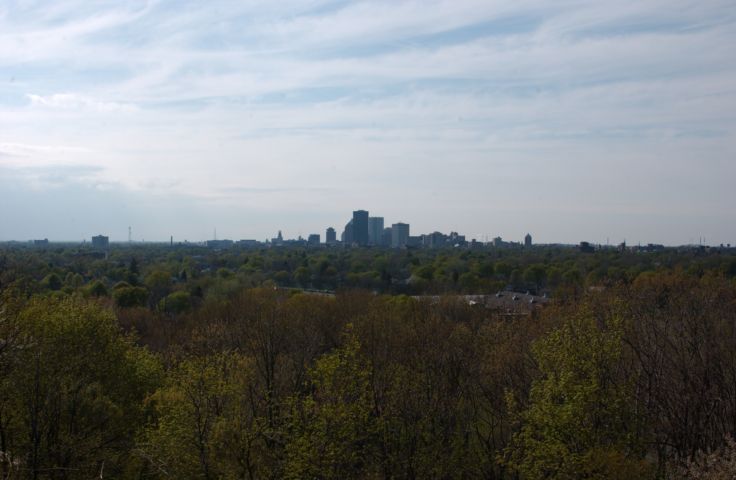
363, 230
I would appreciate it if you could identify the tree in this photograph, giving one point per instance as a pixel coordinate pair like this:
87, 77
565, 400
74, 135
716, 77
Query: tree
97, 289
332, 428
159, 284
126, 297
205, 427
302, 276
536, 275
177, 302
74, 397
580, 422
52, 282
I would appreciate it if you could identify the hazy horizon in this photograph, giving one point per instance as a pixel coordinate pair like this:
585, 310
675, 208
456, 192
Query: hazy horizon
571, 121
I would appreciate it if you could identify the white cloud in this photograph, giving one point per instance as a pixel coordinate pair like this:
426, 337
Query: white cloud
434, 101
72, 101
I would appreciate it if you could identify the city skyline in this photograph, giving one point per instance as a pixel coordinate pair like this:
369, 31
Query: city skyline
309, 238
573, 120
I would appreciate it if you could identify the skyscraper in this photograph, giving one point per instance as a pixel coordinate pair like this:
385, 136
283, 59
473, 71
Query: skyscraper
375, 230
330, 236
347, 236
399, 234
360, 227
528, 240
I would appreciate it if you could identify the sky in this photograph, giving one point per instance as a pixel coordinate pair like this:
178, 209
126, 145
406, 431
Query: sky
570, 120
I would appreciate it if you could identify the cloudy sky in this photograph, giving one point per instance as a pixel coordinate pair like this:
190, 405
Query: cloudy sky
572, 120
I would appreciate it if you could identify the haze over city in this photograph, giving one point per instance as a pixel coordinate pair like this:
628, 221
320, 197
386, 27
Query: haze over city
571, 120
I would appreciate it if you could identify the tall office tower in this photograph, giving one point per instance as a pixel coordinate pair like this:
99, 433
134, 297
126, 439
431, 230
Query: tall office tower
528, 240
347, 236
399, 235
386, 237
330, 236
375, 230
360, 227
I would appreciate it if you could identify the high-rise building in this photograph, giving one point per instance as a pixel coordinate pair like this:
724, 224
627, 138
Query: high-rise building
386, 237
399, 235
375, 230
313, 239
528, 240
101, 242
435, 240
347, 236
360, 227
330, 236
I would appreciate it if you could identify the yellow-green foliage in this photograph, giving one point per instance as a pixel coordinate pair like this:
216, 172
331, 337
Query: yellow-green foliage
332, 427
71, 391
205, 427
580, 422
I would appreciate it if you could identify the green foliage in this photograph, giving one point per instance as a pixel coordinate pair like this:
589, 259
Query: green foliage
282, 277
205, 426
72, 396
74, 280
262, 383
97, 289
51, 282
580, 422
303, 276
158, 283
224, 273
177, 302
127, 297
332, 428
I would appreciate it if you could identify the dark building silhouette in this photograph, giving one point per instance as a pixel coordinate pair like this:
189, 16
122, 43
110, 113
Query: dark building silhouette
278, 240
399, 235
220, 244
528, 240
360, 227
330, 236
101, 242
313, 239
386, 237
347, 234
375, 230
586, 247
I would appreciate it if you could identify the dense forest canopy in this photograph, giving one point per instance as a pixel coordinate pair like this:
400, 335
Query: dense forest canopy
154, 362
